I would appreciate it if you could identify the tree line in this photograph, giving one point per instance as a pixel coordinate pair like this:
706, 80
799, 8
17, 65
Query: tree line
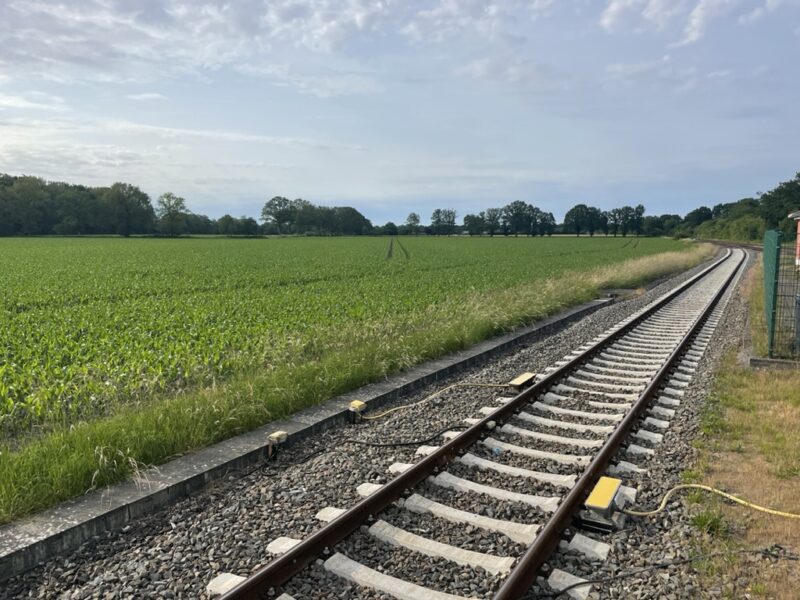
33, 206
521, 218
282, 216
516, 218
743, 220
747, 219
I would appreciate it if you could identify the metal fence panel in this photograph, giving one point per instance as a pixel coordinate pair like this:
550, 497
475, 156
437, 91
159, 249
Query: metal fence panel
772, 250
781, 297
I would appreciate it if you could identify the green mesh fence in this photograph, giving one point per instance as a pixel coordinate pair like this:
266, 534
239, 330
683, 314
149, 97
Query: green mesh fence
781, 296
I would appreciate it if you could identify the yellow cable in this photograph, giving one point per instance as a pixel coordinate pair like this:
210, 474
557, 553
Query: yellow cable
697, 486
432, 396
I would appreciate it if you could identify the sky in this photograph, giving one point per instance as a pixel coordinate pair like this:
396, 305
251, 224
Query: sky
394, 106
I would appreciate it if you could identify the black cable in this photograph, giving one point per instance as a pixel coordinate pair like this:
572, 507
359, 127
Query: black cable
770, 552
272, 465
412, 443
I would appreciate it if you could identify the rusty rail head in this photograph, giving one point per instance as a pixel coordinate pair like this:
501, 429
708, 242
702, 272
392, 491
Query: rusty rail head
285, 566
524, 574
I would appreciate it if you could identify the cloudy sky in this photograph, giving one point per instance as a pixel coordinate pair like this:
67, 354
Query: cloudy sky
399, 105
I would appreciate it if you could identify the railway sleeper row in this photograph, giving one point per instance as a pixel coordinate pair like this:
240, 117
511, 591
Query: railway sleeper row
520, 470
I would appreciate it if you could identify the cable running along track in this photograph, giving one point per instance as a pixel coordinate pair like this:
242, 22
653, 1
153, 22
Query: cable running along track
616, 388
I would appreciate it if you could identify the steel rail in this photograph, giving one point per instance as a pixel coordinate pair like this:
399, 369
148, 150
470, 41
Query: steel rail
285, 566
524, 574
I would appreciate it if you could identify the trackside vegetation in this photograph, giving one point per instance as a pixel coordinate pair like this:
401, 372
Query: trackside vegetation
750, 446
116, 354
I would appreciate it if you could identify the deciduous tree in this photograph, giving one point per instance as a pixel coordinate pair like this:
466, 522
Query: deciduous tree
449, 220
474, 224
278, 210
577, 219
130, 209
491, 217
547, 224
412, 223
516, 218
171, 212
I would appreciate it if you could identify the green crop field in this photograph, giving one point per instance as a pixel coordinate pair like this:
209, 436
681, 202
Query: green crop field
119, 353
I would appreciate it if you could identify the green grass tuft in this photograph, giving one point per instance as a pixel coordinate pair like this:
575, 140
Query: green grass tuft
712, 522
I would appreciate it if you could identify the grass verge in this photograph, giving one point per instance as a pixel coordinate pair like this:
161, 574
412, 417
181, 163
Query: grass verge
758, 321
750, 446
74, 460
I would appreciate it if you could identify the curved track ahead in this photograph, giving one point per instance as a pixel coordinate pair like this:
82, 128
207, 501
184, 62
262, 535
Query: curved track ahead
560, 435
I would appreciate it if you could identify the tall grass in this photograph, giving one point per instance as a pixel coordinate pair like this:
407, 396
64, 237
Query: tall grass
70, 461
754, 287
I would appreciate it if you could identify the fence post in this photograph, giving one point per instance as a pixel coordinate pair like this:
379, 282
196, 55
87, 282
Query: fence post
796, 341
772, 255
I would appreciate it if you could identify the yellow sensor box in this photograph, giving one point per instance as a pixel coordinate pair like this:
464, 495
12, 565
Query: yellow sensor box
601, 499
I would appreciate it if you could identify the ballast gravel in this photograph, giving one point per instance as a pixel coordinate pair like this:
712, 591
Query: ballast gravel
466, 536
665, 538
175, 552
522, 485
525, 462
484, 505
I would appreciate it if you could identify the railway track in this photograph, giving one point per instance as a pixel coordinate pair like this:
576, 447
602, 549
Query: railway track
535, 457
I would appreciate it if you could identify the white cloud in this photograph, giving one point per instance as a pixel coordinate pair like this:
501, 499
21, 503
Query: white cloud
59, 149
640, 14
658, 74
98, 152
144, 41
720, 74
515, 72
178, 133
322, 86
758, 12
325, 25
32, 101
147, 96
443, 20
21, 128
661, 12
701, 17
129, 40
616, 11
644, 15
448, 173
59, 160
634, 70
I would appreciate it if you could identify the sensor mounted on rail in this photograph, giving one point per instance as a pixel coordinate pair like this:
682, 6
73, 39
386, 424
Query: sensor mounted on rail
602, 504
522, 381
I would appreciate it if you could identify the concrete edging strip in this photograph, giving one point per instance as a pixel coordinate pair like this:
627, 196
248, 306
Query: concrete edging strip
28, 542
